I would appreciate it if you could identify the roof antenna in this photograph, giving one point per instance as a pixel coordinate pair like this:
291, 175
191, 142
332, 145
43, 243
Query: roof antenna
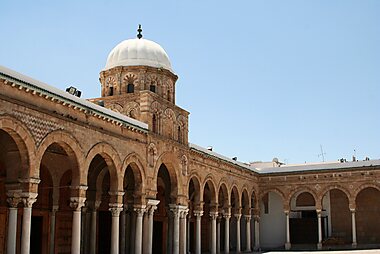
139, 35
322, 154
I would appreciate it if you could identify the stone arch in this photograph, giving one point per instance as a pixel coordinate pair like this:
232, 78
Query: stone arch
300, 190
112, 159
245, 201
235, 197
209, 182
223, 190
275, 190
170, 160
364, 186
24, 142
195, 180
73, 150
135, 162
116, 107
325, 190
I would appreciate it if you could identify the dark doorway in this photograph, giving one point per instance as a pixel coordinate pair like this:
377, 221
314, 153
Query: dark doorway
157, 237
104, 232
36, 235
304, 230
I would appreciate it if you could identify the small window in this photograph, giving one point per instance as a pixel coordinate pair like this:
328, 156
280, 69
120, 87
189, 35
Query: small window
152, 88
130, 88
169, 98
154, 124
179, 134
110, 92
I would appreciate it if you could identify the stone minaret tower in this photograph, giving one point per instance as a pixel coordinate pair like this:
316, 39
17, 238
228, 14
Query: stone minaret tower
138, 81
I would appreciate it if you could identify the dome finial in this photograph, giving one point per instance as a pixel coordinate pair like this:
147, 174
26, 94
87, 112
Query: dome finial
139, 35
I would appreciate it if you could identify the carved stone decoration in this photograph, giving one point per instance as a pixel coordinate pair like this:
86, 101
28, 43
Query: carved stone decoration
152, 153
38, 127
110, 81
156, 108
116, 107
132, 110
184, 164
130, 78
77, 203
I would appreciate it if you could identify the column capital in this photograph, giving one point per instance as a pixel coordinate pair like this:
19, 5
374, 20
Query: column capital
256, 218
14, 201
237, 216
214, 215
115, 209
319, 212
352, 210
77, 203
55, 208
198, 213
247, 217
286, 212
226, 215
29, 198
140, 210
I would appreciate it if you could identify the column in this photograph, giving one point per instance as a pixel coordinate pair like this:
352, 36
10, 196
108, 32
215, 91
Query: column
183, 231
12, 224
319, 244
138, 235
153, 206
214, 216
248, 233
26, 222
175, 210
52, 229
115, 209
145, 231
169, 246
287, 244
188, 235
93, 227
238, 216
198, 216
218, 235
226, 232
122, 232
354, 243
76, 203
257, 232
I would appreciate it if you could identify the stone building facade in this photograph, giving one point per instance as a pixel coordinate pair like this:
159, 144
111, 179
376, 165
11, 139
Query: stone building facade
116, 174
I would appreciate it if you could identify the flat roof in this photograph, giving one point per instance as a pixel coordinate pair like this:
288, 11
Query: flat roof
71, 99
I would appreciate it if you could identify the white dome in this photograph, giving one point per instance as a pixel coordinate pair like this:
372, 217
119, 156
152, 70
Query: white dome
138, 52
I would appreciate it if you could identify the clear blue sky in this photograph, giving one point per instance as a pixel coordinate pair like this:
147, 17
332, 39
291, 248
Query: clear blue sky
261, 79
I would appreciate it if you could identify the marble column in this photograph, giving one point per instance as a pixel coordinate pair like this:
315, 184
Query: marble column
138, 233
198, 215
218, 234
175, 210
188, 234
353, 219
27, 221
238, 216
122, 232
319, 244
226, 232
12, 225
214, 216
152, 207
257, 232
52, 229
183, 231
287, 243
247, 233
115, 209
93, 227
76, 203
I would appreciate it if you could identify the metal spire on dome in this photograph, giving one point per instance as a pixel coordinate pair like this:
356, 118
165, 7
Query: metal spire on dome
139, 35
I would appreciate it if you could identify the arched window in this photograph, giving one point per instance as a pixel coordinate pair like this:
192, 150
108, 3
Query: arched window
169, 97
110, 91
154, 124
179, 134
130, 88
152, 88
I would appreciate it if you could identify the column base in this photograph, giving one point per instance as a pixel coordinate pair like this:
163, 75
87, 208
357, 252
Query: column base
288, 246
319, 246
354, 245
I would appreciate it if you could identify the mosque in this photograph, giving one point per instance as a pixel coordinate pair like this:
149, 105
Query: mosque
117, 174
